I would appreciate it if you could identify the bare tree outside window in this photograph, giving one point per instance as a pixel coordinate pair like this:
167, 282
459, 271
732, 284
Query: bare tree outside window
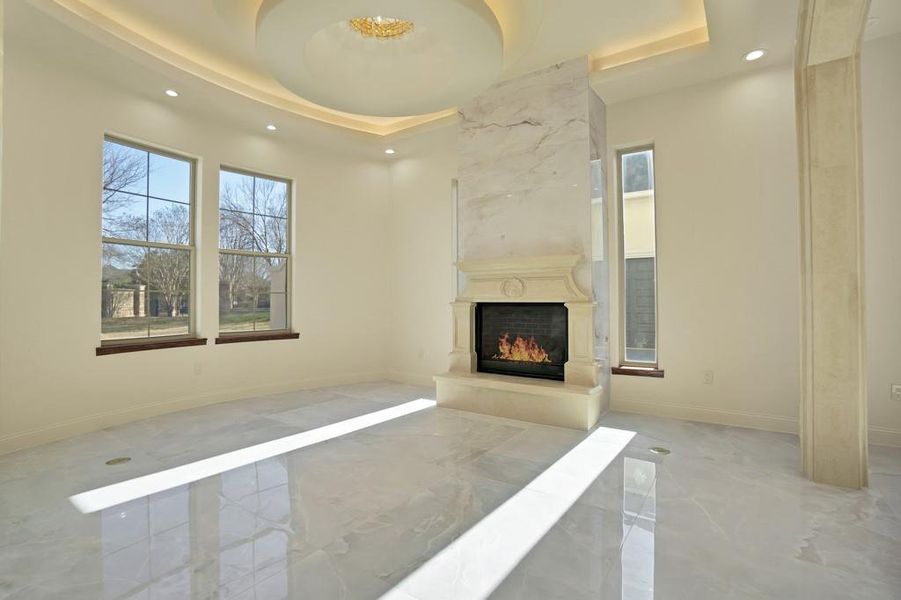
254, 252
147, 253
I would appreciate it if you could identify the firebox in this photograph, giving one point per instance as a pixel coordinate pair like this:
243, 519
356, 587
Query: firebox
520, 338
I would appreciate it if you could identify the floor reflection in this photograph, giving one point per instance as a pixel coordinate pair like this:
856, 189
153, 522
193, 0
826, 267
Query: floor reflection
146, 546
241, 535
354, 516
489, 551
639, 511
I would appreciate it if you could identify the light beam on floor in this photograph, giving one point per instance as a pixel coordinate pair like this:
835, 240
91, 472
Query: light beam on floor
478, 561
132, 489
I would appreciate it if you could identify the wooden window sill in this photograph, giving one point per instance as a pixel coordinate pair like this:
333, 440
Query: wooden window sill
256, 337
149, 345
638, 371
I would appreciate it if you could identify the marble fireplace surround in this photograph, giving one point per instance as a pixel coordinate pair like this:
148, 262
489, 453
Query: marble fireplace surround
576, 401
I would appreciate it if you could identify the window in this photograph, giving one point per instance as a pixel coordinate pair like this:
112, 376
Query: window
638, 269
254, 243
148, 243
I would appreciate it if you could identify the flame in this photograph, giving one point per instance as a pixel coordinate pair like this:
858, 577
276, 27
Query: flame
521, 350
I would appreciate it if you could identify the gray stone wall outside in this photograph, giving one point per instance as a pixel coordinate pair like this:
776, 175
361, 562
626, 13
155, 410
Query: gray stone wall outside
640, 305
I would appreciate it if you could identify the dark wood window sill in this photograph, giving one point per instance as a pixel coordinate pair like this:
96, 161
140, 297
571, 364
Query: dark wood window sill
156, 345
638, 371
256, 337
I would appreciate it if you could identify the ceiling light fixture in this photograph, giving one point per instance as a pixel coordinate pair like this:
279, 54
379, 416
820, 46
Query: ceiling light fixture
754, 55
381, 27
271, 127
172, 93
389, 151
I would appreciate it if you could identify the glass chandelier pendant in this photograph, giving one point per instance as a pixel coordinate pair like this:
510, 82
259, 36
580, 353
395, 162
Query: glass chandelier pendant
381, 27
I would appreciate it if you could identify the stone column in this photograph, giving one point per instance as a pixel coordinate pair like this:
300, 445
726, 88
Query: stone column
833, 404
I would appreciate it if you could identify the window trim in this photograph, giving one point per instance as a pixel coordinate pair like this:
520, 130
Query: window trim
627, 367
287, 332
153, 342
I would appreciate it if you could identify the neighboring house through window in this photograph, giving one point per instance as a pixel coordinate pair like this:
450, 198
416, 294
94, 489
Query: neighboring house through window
638, 298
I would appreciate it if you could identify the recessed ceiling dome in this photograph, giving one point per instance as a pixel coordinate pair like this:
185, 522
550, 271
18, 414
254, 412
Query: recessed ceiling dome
387, 58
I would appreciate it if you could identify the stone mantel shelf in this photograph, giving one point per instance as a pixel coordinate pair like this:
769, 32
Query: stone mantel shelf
522, 279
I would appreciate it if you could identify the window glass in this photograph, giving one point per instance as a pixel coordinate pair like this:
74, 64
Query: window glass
639, 267
147, 253
254, 253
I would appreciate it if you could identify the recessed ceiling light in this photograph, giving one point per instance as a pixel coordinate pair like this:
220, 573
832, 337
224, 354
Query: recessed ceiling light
172, 93
271, 127
754, 55
389, 151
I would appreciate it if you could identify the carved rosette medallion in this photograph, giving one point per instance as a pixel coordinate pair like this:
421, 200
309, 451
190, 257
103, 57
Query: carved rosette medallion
513, 287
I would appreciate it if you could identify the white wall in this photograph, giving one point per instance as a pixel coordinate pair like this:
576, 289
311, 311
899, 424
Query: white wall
422, 279
881, 83
727, 243
51, 383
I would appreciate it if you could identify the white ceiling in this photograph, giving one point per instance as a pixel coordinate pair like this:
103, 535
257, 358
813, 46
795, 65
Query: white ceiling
216, 39
208, 45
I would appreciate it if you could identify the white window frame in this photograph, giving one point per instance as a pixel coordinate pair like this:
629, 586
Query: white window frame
621, 263
191, 247
288, 256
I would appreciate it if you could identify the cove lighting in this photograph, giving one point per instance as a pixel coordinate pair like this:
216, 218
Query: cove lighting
474, 564
271, 127
172, 93
389, 151
139, 487
754, 55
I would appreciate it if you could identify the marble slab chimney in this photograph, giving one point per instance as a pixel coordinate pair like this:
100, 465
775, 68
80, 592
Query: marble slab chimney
531, 194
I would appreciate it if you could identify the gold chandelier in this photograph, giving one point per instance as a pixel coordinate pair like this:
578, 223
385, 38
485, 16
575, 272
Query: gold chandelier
381, 27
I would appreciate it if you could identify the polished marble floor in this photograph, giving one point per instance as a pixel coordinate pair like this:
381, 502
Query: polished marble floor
725, 515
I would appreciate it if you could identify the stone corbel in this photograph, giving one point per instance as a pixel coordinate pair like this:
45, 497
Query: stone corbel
582, 368
463, 356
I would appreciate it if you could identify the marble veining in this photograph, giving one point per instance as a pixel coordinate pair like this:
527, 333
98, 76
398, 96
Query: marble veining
726, 515
524, 152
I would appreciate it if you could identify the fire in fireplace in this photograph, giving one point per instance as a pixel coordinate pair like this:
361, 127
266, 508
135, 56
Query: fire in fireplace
524, 339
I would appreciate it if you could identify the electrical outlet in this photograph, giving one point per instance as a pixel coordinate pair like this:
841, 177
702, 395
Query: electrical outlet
896, 392
708, 377
198, 367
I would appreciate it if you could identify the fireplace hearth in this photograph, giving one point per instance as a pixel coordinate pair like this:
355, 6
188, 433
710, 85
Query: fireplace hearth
525, 339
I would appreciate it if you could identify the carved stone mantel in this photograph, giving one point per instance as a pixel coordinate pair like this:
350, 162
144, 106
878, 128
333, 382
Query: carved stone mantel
576, 402
536, 279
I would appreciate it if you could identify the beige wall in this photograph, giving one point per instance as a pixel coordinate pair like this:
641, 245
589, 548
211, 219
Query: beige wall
727, 248
51, 383
881, 83
422, 279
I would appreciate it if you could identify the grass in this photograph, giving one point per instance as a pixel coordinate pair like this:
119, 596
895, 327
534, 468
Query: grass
129, 327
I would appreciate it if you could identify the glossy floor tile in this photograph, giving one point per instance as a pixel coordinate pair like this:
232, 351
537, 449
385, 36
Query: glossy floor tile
726, 515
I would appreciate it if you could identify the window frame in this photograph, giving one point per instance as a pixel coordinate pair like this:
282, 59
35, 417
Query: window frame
645, 368
287, 332
160, 341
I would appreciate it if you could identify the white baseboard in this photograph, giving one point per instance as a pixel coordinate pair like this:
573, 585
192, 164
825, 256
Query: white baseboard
708, 415
72, 427
411, 378
885, 436
877, 436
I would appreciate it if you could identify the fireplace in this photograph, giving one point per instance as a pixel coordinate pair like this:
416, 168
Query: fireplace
527, 339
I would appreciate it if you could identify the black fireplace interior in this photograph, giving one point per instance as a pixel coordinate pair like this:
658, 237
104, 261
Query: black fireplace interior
524, 339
